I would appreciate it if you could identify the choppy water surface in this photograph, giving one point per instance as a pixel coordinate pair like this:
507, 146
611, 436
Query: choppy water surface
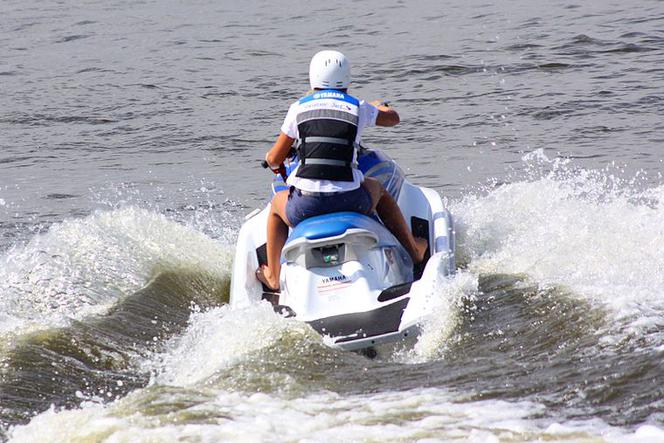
131, 134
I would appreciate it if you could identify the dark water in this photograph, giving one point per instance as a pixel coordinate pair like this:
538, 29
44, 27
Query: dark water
131, 134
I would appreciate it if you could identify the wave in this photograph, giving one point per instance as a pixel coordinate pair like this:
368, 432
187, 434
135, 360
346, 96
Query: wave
171, 414
100, 357
589, 231
81, 267
218, 340
85, 302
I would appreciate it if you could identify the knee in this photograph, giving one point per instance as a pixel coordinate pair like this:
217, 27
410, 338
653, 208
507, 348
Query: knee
274, 204
279, 201
374, 186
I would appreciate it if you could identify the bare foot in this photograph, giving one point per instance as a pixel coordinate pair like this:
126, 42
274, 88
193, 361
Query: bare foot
421, 246
264, 275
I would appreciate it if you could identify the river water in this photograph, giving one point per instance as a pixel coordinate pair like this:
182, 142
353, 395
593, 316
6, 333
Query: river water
131, 134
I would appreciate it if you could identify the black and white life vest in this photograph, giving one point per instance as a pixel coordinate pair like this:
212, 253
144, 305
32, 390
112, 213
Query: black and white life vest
327, 125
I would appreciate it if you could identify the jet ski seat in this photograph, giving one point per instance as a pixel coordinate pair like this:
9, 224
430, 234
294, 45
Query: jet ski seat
330, 225
330, 239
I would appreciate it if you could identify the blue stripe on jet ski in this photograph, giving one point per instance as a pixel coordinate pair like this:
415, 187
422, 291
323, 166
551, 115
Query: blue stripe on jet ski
368, 161
279, 187
442, 244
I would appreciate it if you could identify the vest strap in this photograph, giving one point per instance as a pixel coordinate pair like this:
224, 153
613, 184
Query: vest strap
333, 140
329, 162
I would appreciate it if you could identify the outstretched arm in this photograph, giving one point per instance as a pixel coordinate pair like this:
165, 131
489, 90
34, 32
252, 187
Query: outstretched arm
386, 115
279, 151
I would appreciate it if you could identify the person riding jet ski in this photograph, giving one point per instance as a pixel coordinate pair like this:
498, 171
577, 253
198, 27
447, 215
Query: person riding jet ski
328, 124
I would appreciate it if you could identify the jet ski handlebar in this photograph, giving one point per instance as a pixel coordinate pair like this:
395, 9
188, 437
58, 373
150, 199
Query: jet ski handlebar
281, 170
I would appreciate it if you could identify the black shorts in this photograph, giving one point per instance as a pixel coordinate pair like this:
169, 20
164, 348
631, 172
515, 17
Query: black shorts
300, 206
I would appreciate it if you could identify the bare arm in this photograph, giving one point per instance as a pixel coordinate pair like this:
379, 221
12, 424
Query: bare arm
279, 151
386, 115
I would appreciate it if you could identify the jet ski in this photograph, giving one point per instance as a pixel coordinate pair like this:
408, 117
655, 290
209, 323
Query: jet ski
344, 273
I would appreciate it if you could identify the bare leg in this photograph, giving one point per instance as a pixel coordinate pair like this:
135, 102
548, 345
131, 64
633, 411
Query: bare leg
277, 234
390, 213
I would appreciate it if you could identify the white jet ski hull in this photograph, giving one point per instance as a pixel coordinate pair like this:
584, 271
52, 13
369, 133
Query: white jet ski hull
345, 275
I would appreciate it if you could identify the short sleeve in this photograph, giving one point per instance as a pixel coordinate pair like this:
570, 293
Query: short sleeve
289, 127
368, 115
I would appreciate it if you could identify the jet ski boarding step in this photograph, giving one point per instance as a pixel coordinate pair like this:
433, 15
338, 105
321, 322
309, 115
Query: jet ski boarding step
268, 294
420, 228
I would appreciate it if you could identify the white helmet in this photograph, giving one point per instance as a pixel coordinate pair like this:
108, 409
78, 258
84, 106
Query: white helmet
329, 70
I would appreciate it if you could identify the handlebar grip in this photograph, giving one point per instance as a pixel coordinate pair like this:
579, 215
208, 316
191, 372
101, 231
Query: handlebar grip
281, 170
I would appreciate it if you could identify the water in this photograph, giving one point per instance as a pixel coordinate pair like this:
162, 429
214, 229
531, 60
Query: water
131, 135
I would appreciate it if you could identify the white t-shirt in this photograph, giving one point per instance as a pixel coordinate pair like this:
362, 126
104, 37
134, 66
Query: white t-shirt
367, 114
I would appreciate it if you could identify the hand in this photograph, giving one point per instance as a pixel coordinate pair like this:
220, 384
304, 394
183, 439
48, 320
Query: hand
380, 103
266, 163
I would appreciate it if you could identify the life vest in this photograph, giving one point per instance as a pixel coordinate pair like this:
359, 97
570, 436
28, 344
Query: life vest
327, 125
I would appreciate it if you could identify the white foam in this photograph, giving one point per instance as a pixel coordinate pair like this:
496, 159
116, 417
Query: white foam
444, 305
219, 337
596, 234
415, 415
82, 266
